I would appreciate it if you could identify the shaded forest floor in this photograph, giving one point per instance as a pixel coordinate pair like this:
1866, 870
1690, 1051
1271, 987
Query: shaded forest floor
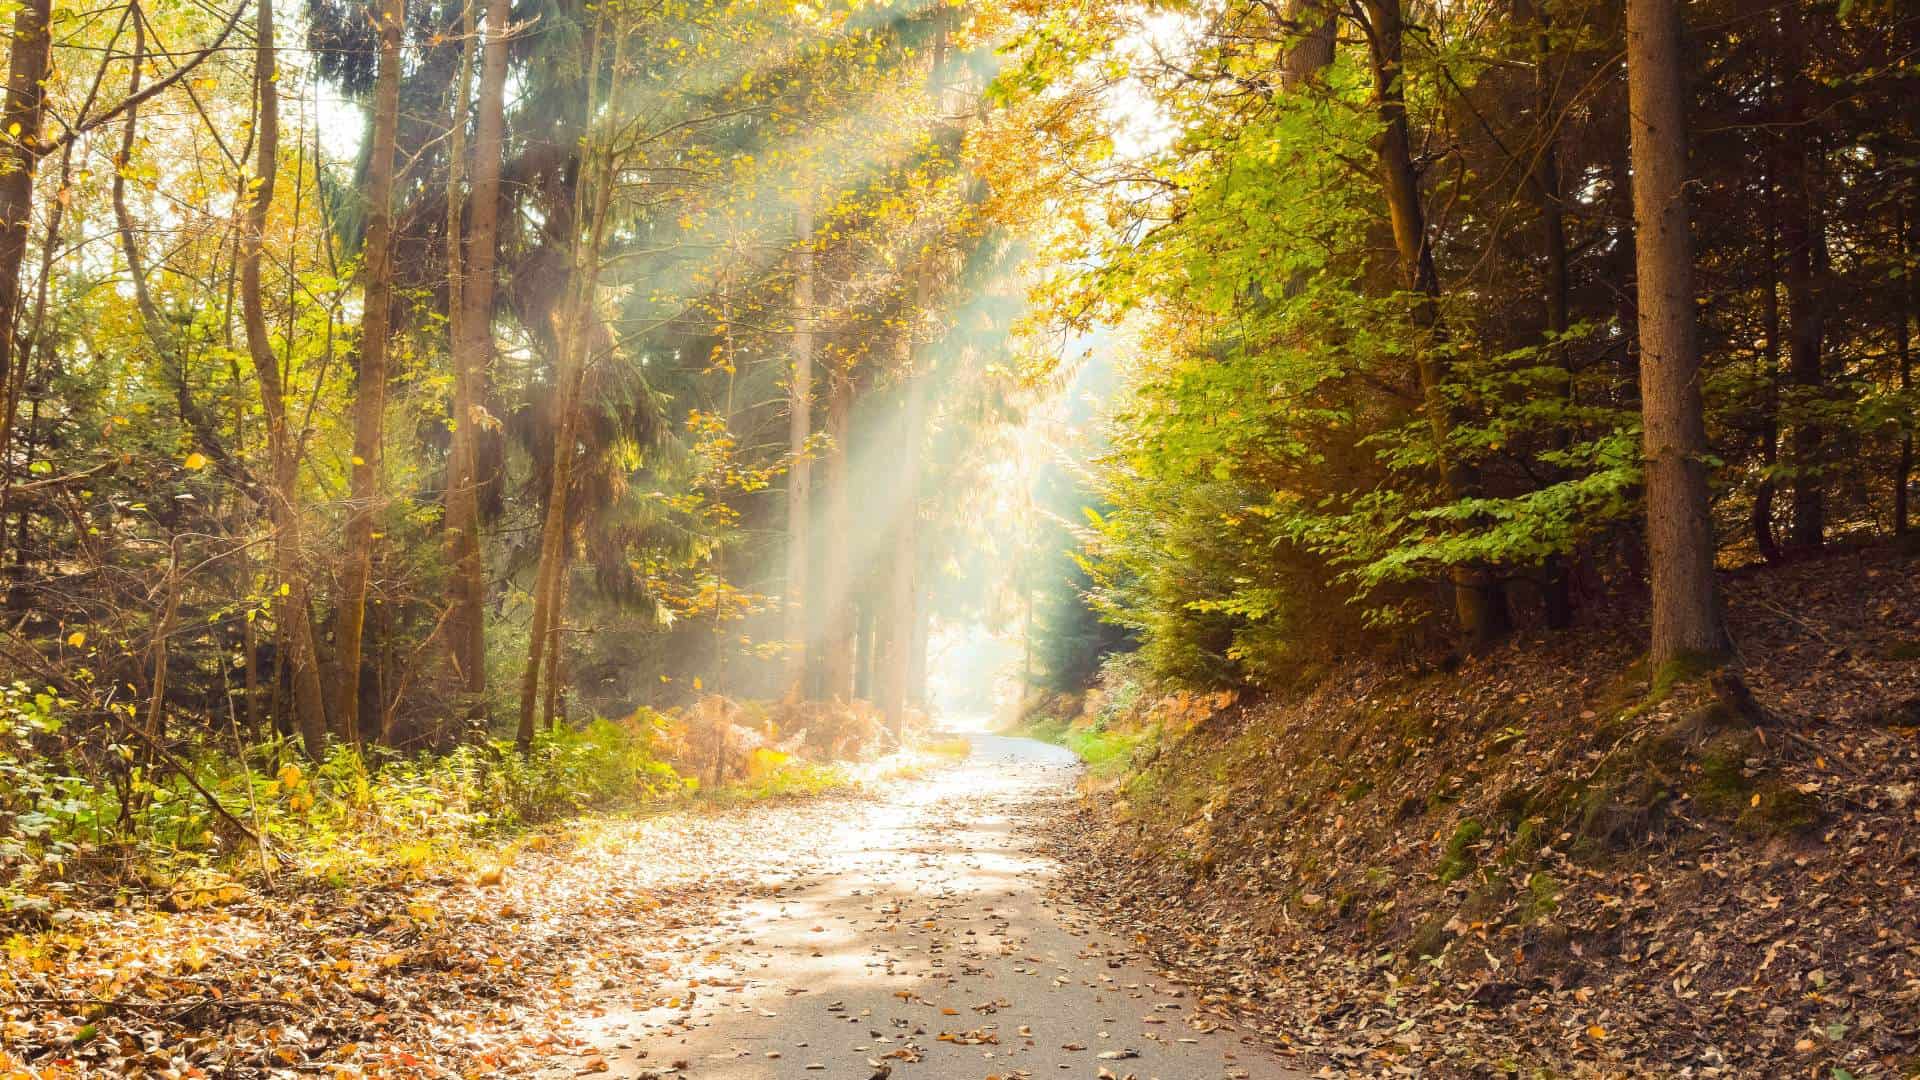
1529, 866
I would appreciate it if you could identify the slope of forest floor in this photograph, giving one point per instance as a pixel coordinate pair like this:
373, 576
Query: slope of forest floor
1534, 864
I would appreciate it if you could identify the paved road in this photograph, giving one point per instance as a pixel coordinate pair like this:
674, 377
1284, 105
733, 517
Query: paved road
918, 941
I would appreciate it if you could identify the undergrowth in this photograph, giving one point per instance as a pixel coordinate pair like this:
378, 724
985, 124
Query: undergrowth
1107, 752
190, 819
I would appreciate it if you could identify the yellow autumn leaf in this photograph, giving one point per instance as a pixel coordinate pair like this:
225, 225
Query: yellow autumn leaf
196, 461
1596, 1032
77, 638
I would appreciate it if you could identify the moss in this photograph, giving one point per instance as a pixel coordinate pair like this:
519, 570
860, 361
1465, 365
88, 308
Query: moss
1615, 810
1542, 898
1459, 858
1528, 838
1780, 809
1683, 669
1356, 791
1724, 787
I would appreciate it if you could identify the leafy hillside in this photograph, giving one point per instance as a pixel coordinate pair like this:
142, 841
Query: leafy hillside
1545, 861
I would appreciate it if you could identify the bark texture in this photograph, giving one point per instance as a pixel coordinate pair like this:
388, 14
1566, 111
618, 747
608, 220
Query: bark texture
370, 392
1686, 614
292, 619
1479, 602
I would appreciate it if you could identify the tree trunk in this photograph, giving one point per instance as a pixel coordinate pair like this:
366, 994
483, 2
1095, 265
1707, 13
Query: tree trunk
551, 709
553, 532
1907, 310
292, 619
29, 61
471, 269
370, 401
799, 430
1762, 521
1312, 26
903, 577
579, 334
1556, 587
1686, 615
1801, 230
1479, 602
836, 644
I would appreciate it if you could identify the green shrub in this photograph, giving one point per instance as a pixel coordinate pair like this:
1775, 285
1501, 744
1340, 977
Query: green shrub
352, 814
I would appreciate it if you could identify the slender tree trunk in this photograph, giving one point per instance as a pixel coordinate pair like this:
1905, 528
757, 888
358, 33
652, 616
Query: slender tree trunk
579, 335
799, 431
1556, 586
551, 710
903, 573
370, 402
1762, 523
291, 615
1800, 229
21, 118
836, 645
1479, 602
1686, 614
1910, 306
553, 533
471, 270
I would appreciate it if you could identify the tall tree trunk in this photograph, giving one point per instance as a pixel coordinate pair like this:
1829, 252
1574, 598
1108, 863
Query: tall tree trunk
1556, 587
1686, 614
471, 336
896, 675
1763, 494
1909, 307
799, 431
292, 619
1801, 229
29, 61
836, 644
553, 532
903, 573
579, 334
370, 401
1479, 602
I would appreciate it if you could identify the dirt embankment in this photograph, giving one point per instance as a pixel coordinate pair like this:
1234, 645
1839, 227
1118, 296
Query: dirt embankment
1549, 861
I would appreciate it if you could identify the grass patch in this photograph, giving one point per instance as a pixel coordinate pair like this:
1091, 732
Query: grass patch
1107, 754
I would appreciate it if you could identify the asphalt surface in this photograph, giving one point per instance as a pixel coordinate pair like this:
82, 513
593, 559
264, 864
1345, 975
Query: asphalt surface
918, 942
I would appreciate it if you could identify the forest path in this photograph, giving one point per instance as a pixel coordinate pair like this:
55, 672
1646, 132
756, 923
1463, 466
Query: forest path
916, 939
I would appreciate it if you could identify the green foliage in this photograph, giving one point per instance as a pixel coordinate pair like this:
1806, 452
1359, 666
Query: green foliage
352, 815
